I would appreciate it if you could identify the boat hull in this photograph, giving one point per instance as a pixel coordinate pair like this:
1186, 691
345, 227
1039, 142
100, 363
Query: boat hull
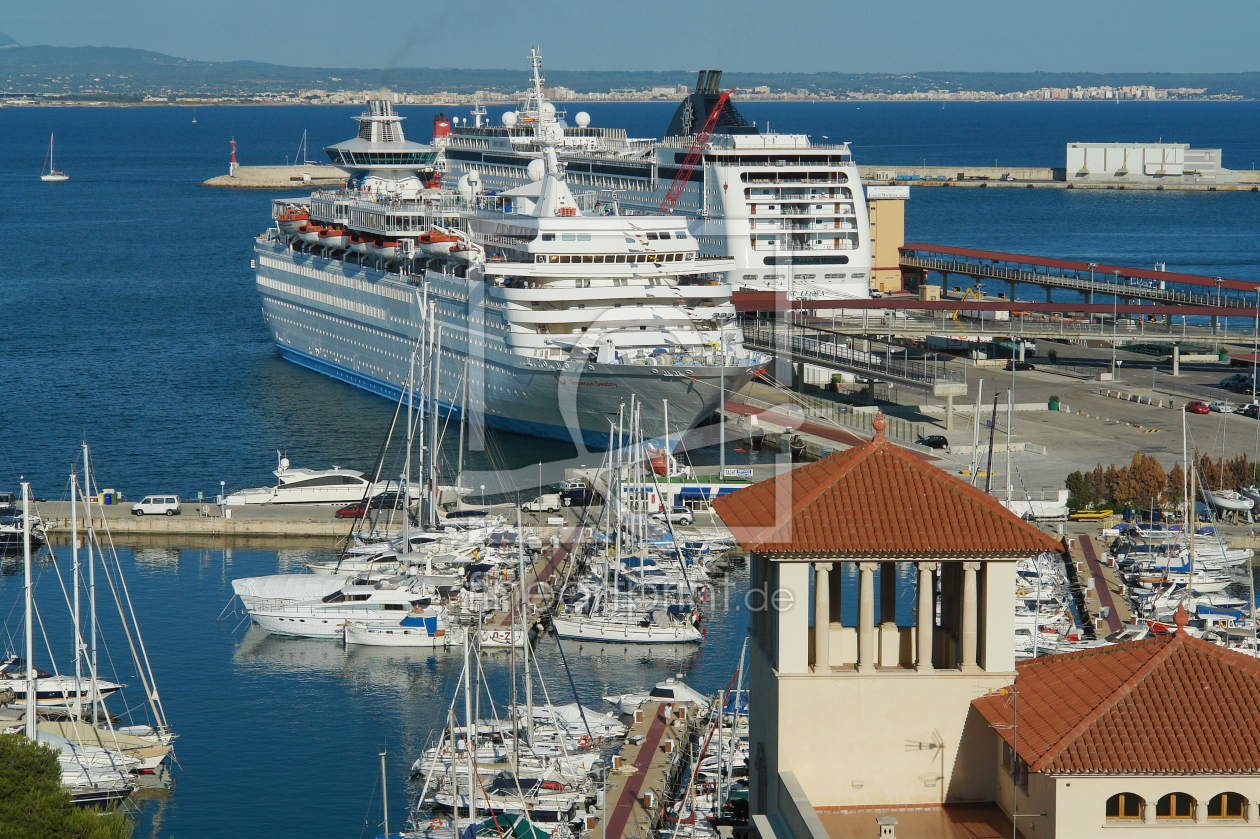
369, 635
578, 629
365, 335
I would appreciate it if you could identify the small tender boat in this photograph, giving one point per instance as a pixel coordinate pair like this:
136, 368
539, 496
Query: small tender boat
360, 243
291, 219
51, 691
1229, 500
334, 237
309, 233
465, 252
421, 628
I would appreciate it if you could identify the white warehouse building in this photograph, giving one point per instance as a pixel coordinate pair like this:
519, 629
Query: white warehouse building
1121, 163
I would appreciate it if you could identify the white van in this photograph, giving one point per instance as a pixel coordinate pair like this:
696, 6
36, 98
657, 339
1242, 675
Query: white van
155, 505
549, 502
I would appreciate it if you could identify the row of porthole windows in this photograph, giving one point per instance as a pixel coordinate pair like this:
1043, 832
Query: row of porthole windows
1129, 806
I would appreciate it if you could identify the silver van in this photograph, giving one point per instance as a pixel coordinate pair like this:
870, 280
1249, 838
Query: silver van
155, 505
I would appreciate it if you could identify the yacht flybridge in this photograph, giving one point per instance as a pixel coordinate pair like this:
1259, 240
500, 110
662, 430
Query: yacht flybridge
556, 306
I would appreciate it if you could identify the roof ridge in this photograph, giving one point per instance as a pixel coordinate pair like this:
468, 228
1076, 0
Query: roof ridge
1126, 687
1226, 656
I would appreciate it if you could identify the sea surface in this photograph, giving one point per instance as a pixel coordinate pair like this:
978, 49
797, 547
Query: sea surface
131, 322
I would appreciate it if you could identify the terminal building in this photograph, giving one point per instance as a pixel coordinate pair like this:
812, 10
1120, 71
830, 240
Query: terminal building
1145, 163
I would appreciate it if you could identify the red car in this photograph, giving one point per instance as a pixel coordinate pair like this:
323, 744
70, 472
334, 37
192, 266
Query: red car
354, 511
1197, 408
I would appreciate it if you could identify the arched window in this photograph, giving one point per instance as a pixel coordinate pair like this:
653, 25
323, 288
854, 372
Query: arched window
1175, 805
1227, 805
1124, 805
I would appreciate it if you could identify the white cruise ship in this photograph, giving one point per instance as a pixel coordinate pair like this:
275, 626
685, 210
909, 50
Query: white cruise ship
789, 212
538, 310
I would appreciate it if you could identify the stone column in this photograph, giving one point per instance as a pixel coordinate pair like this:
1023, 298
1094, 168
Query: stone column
866, 617
1148, 811
822, 616
926, 616
949, 412
970, 616
1176, 360
1200, 812
1253, 811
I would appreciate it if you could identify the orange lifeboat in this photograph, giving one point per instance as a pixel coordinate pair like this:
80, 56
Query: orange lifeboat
438, 243
334, 237
361, 244
659, 461
309, 233
291, 219
387, 249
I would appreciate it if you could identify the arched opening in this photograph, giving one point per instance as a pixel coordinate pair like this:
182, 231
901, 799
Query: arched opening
1175, 805
1124, 805
1227, 805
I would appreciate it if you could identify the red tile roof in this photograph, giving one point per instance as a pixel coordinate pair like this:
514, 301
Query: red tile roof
876, 500
1168, 704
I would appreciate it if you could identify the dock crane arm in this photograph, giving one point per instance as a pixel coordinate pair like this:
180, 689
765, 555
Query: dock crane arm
693, 156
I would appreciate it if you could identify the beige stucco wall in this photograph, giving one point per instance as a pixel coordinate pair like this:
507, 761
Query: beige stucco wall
878, 731
1075, 806
888, 233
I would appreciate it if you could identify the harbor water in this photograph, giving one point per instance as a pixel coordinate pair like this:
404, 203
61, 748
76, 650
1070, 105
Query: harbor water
132, 321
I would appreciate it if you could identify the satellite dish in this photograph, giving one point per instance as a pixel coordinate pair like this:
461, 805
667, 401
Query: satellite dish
284, 463
464, 187
509, 119
547, 109
535, 170
582, 119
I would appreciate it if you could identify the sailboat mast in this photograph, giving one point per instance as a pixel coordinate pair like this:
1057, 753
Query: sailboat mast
78, 622
87, 509
411, 408
384, 796
470, 732
436, 374
450, 716
32, 698
463, 421
529, 679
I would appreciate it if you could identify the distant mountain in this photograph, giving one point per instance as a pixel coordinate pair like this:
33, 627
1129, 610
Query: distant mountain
132, 73
6, 41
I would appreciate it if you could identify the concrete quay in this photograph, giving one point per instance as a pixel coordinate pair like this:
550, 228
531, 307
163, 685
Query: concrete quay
280, 177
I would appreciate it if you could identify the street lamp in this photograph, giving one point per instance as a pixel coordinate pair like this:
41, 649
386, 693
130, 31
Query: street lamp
1092, 266
483, 495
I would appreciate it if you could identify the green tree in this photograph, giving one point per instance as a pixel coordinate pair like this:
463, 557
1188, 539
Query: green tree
1079, 494
34, 805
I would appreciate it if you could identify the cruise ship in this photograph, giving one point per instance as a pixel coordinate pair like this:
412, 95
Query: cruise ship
788, 211
540, 309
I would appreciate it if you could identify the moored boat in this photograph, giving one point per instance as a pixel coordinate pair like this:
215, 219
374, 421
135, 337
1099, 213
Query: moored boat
334, 237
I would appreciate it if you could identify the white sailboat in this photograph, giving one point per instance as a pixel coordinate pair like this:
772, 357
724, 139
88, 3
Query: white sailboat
52, 174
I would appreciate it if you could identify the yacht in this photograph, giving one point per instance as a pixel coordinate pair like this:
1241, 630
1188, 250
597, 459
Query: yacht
789, 212
363, 600
314, 486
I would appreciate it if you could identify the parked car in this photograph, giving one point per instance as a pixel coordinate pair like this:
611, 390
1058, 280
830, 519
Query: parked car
384, 501
934, 441
157, 505
1221, 407
876, 294
354, 511
676, 515
1251, 410
1019, 365
1197, 408
1236, 380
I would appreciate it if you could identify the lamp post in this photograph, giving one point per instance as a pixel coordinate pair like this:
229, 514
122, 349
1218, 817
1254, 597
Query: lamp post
1092, 266
483, 495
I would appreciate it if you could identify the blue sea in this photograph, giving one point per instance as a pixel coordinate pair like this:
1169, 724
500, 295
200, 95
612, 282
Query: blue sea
131, 321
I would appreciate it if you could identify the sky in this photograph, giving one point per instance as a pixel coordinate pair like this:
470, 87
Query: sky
875, 36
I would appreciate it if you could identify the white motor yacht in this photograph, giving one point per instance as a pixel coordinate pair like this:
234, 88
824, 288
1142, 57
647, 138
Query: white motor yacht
364, 601
315, 486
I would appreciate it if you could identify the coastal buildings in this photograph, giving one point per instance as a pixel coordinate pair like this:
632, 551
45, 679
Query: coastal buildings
906, 714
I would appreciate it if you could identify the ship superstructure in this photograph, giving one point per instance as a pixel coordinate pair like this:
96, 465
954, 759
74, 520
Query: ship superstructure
788, 211
553, 306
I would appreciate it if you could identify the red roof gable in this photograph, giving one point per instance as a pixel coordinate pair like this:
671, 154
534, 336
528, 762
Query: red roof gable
1168, 704
876, 500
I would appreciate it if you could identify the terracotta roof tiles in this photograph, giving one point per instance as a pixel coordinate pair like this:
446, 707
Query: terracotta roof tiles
1166, 704
876, 500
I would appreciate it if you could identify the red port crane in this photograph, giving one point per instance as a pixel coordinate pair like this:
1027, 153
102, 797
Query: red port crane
693, 156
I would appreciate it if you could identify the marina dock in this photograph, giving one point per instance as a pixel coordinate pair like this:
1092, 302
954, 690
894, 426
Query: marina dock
280, 177
641, 780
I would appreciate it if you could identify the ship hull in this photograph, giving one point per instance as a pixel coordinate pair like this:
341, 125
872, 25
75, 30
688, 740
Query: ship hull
359, 326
